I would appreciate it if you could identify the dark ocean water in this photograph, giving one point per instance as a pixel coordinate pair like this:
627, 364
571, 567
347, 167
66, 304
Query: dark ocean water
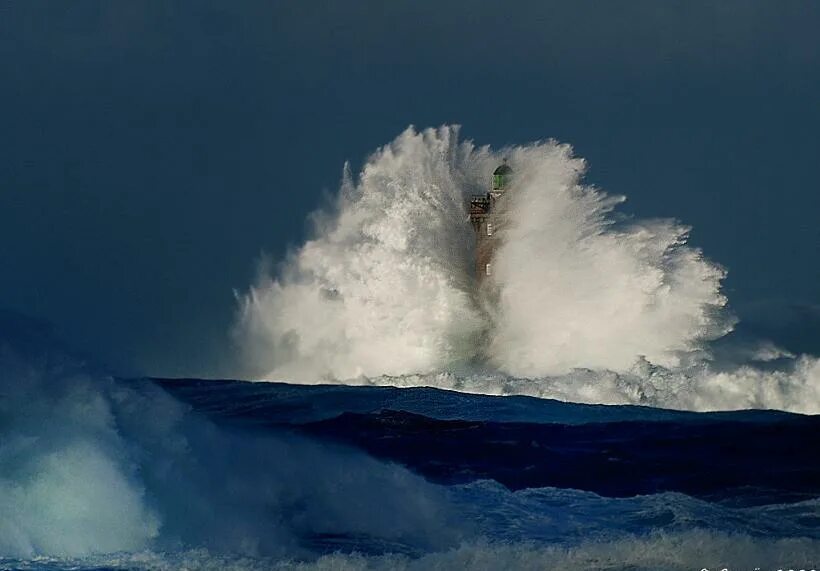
559, 473
343, 477
738, 458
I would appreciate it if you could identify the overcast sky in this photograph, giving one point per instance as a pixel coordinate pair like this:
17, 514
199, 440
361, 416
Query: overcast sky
151, 151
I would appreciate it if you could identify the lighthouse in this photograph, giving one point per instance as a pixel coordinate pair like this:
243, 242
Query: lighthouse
484, 220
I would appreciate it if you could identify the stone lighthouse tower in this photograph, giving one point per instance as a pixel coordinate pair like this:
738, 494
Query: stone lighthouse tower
484, 220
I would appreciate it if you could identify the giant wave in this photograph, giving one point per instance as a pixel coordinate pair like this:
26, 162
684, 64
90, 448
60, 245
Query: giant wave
584, 304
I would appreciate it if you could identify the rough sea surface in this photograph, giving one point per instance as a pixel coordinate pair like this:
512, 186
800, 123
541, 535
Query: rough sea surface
278, 476
590, 405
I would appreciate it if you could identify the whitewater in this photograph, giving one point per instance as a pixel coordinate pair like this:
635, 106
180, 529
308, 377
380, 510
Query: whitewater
584, 303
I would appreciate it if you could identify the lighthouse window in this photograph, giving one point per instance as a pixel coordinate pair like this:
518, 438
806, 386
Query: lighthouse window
489, 228
487, 269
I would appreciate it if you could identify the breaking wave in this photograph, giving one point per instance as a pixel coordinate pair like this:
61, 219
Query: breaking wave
90, 464
584, 303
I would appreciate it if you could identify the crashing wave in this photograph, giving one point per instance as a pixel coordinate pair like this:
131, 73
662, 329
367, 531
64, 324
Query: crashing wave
583, 304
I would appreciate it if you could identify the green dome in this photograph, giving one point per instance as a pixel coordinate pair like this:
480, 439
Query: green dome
501, 176
503, 169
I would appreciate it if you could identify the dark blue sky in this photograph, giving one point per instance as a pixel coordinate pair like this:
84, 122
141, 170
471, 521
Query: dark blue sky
149, 152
